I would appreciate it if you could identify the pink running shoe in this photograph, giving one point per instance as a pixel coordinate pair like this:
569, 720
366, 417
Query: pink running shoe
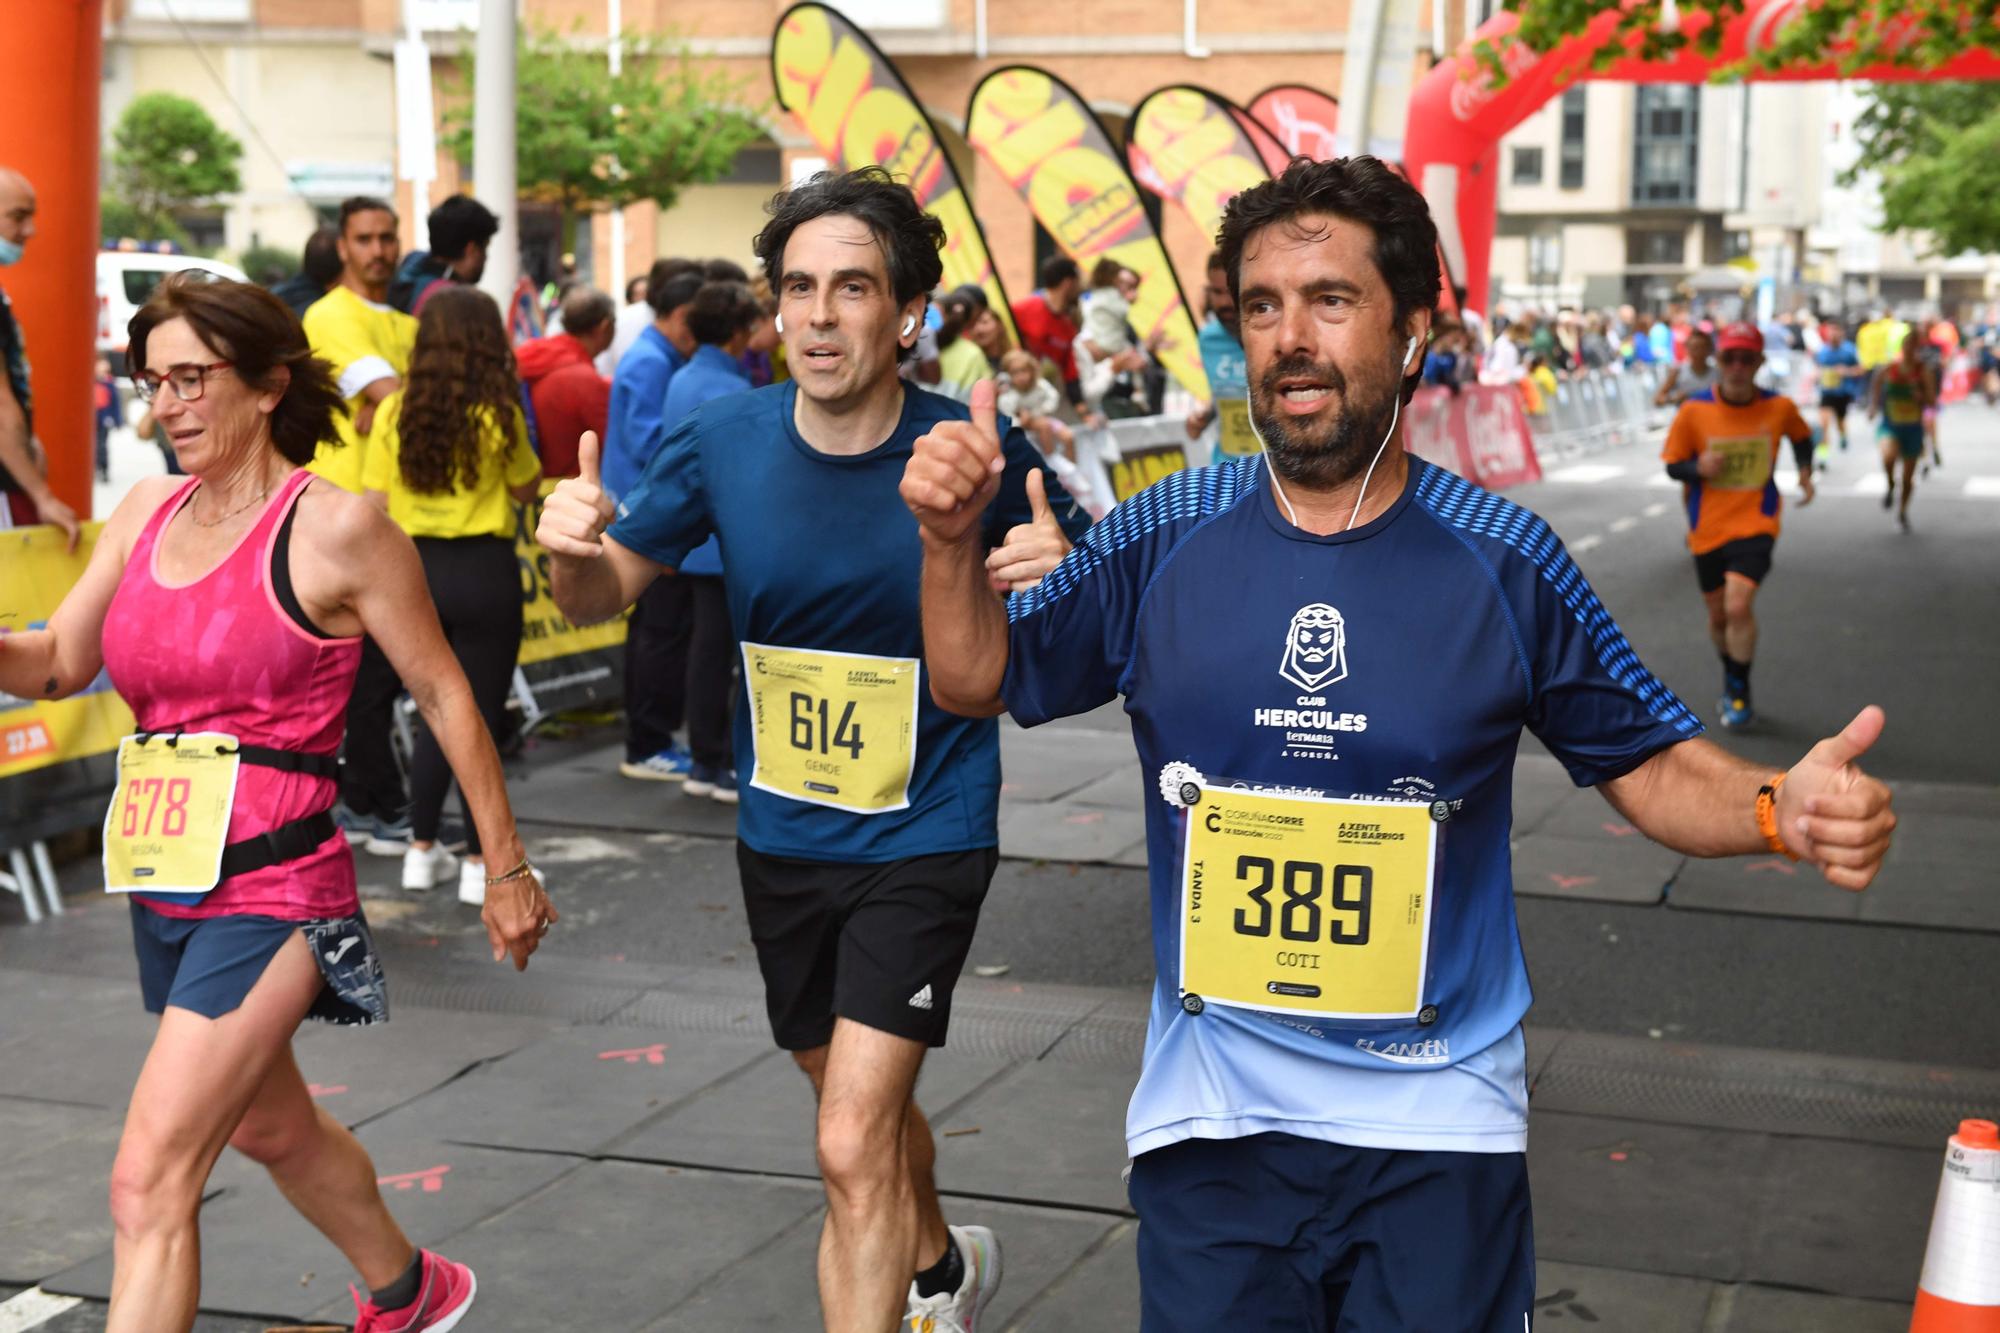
442, 1300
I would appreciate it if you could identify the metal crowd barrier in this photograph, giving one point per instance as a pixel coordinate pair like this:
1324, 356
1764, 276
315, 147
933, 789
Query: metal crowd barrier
1597, 410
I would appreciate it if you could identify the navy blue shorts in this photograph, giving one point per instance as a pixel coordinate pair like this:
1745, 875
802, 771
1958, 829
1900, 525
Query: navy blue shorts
1278, 1234
206, 965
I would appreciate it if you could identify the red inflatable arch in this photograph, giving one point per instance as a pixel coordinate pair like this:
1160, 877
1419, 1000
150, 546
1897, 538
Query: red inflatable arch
1452, 146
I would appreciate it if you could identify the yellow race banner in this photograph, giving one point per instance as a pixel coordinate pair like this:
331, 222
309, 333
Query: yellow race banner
35, 573
847, 96
1052, 148
1195, 150
563, 665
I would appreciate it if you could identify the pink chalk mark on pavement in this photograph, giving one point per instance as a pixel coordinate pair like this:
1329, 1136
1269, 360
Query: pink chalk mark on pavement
431, 1181
325, 1089
656, 1054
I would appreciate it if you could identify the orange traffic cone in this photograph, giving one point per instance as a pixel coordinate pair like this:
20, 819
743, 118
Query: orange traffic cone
1959, 1291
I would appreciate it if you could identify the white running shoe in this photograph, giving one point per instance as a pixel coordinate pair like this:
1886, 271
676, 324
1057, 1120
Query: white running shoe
959, 1311
423, 867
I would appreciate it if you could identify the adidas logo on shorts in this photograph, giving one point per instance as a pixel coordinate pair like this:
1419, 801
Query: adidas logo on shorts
922, 999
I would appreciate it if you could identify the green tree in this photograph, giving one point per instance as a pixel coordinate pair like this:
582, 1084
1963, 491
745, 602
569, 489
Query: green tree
1918, 34
167, 155
587, 140
1935, 149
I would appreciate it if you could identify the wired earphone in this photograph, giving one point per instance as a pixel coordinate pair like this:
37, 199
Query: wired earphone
909, 325
1409, 350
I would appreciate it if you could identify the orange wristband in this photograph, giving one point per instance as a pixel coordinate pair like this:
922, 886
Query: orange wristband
1767, 817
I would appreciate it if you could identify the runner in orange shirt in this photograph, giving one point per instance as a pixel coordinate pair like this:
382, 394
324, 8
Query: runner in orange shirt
1723, 449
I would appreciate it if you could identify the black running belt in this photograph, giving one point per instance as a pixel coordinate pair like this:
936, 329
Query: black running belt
287, 842
265, 756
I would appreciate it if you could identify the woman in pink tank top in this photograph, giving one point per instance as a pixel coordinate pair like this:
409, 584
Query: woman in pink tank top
228, 609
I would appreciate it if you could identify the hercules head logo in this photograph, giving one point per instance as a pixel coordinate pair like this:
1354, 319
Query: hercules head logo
1315, 648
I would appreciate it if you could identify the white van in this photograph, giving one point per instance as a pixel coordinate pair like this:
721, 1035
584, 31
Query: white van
125, 278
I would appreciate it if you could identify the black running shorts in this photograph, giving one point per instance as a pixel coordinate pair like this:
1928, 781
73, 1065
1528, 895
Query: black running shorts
881, 945
1749, 557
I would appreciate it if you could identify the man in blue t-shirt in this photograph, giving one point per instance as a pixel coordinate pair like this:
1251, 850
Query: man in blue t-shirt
1330, 1122
868, 828
1840, 378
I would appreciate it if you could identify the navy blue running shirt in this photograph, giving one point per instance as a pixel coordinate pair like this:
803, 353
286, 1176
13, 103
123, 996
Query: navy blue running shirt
820, 554
1461, 620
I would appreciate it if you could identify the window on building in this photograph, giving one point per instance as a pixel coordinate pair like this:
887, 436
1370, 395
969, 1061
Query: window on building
1545, 258
1570, 171
1527, 166
1665, 144
1655, 245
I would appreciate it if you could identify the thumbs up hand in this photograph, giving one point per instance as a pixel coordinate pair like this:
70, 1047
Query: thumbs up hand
954, 471
1033, 548
578, 511
1833, 814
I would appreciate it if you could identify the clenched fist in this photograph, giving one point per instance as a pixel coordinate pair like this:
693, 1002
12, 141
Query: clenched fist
578, 511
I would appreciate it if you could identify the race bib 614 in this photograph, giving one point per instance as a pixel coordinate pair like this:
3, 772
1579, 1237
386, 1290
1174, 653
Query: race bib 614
833, 729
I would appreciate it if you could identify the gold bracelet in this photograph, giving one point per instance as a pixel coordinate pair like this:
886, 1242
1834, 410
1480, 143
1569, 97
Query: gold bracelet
515, 873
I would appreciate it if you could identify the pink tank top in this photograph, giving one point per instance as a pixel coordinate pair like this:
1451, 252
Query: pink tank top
220, 654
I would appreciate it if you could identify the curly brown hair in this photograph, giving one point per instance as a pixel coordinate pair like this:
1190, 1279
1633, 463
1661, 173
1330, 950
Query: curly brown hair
461, 385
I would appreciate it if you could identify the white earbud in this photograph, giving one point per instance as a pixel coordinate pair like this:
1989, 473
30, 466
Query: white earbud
1409, 349
909, 326
780, 322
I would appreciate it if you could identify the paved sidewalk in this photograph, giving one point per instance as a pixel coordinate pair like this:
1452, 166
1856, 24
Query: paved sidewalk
620, 1137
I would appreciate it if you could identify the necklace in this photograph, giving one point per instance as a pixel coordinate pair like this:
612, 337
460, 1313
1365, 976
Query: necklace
196, 518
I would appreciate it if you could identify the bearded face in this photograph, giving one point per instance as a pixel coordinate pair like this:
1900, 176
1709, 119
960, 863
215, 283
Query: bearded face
1334, 441
1314, 647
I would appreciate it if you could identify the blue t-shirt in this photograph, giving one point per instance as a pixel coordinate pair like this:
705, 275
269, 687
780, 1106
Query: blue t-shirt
821, 554
1463, 620
710, 373
1839, 364
1222, 359
632, 428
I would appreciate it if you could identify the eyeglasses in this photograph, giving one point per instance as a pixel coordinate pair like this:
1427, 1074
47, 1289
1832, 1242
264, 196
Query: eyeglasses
1739, 358
189, 380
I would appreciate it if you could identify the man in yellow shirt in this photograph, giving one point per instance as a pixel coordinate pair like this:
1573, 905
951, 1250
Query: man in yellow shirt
1871, 342
369, 344
354, 327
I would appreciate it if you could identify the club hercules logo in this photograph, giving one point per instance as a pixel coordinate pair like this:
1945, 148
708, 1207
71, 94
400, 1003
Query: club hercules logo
1315, 648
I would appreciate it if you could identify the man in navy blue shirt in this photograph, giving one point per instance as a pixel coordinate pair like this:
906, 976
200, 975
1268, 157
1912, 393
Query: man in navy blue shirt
1330, 1123
869, 823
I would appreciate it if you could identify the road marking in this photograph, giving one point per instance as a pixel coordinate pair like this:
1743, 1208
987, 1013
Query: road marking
1585, 474
1661, 481
1871, 483
1589, 542
33, 1308
1982, 488
1625, 524
1655, 510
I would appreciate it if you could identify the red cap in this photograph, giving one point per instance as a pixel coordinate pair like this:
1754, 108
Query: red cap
1978, 1134
1740, 337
